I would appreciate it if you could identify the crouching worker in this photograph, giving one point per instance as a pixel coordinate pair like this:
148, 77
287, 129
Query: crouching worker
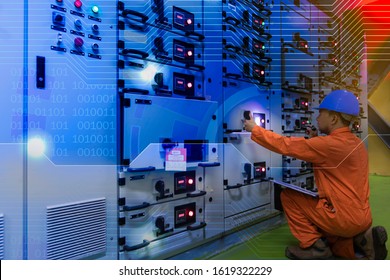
338, 222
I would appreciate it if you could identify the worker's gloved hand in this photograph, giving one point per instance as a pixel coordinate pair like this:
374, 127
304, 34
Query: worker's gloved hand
248, 121
311, 131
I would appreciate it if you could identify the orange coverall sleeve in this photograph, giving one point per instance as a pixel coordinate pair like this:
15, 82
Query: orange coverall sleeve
312, 150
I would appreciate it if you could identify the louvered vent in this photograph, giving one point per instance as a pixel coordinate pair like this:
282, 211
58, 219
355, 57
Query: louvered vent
1, 236
76, 230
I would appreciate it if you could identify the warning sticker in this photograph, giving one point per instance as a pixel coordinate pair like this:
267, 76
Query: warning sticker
176, 159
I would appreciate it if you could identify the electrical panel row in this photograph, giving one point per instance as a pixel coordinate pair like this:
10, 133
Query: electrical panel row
172, 99
246, 89
123, 120
322, 55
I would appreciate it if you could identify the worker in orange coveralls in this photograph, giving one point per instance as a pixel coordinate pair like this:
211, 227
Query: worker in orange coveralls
338, 221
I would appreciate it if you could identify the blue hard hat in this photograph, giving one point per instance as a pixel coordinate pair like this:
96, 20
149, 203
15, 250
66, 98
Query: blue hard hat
341, 101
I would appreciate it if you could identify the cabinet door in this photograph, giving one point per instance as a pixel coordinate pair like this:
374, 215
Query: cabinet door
71, 167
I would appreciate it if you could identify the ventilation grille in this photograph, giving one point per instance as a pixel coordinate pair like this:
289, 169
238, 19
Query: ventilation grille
1, 236
77, 230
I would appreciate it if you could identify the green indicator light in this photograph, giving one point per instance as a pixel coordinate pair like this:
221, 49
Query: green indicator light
95, 9
263, 47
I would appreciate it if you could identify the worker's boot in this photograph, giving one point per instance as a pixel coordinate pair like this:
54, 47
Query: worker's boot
372, 243
318, 251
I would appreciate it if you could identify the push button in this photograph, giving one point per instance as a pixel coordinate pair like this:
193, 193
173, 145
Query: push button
95, 28
78, 42
58, 19
78, 4
78, 23
95, 47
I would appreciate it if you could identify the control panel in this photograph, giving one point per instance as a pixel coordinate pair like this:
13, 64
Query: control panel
124, 119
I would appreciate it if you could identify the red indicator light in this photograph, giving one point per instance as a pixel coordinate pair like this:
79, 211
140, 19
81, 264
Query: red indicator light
306, 104
263, 169
262, 72
262, 120
189, 21
190, 181
78, 4
189, 85
189, 53
190, 213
